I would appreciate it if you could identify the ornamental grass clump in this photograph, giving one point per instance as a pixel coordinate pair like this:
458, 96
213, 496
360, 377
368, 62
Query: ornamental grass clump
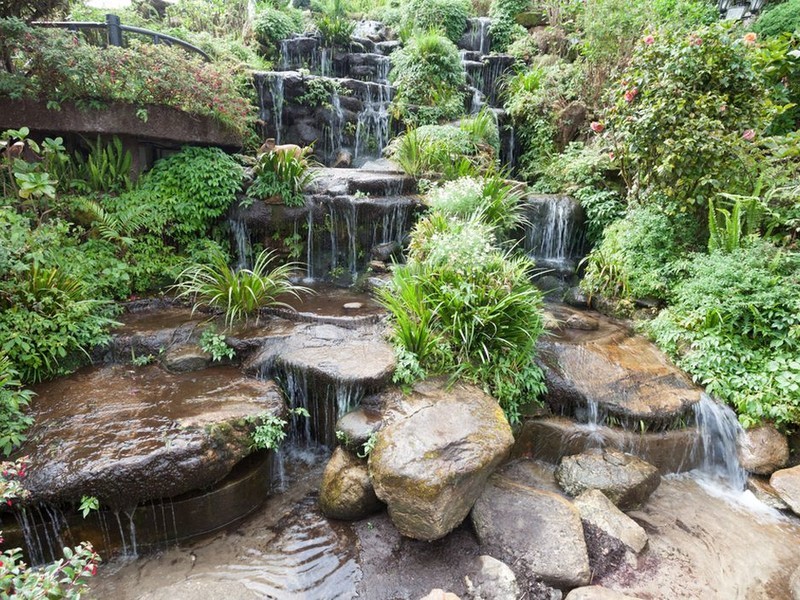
237, 293
464, 307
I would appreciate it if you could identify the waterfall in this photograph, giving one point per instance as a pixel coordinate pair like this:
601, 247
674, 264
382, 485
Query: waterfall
286, 58
335, 126
270, 100
719, 430
554, 235
482, 32
476, 102
241, 238
372, 125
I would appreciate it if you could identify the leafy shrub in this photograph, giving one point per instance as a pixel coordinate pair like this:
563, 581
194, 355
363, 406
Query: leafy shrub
783, 17
335, 30
52, 66
683, 118
483, 129
778, 60
13, 402
193, 188
461, 306
635, 258
504, 29
734, 325
446, 16
218, 17
281, 174
428, 74
238, 294
271, 26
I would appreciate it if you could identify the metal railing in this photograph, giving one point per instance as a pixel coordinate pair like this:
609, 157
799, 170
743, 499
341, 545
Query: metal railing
115, 29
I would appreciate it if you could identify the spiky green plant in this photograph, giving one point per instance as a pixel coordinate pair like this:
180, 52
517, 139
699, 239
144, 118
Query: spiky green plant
237, 293
282, 174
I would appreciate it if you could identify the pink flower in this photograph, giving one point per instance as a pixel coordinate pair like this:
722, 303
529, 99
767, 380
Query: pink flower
697, 41
597, 127
649, 39
630, 95
611, 155
749, 135
750, 38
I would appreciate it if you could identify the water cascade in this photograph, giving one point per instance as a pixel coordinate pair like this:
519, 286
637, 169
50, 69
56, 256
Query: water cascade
271, 96
719, 429
554, 235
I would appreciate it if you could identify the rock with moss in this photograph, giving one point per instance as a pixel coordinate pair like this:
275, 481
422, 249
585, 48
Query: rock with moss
432, 458
346, 492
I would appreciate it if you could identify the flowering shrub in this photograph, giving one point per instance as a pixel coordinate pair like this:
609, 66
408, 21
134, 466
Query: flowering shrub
683, 117
54, 66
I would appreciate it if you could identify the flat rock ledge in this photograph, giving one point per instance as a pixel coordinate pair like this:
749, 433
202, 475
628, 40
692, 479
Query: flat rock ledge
786, 484
432, 458
130, 434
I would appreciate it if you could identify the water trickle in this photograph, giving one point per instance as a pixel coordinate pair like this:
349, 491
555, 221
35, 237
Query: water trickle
334, 128
271, 98
372, 124
554, 235
241, 238
482, 42
476, 102
719, 430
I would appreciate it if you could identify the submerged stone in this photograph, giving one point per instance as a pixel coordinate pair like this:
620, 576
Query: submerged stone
432, 459
183, 359
596, 592
126, 435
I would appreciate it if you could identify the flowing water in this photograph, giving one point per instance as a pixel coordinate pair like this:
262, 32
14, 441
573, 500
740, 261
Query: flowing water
554, 235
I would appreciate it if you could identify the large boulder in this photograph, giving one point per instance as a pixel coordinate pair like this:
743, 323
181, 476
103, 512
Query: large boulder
626, 480
127, 435
786, 483
432, 459
491, 579
763, 450
346, 492
597, 509
537, 531
358, 426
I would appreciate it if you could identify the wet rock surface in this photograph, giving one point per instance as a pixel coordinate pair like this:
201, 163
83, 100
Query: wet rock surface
188, 357
626, 480
596, 592
763, 450
346, 491
358, 426
623, 373
153, 434
765, 493
786, 483
538, 532
491, 579
432, 458
597, 509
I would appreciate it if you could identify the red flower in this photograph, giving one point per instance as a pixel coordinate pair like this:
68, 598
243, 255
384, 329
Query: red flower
597, 127
649, 39
749, 135
630, 95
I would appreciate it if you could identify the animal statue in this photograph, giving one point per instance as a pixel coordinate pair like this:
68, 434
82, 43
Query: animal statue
269, 145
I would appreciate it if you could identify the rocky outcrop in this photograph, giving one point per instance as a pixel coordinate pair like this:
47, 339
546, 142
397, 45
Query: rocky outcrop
432, 459
153, 434
626, 480
596, 592
624, 374
346, 492
537, 531
491, 579
786, 483
763, 450
186, 358
598, 510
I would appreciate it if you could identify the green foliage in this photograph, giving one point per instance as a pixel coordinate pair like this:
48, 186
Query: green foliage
444, 151
270, 431
427, 73
727, 229
272, 26
193, 188
635, 258
783, 17
214, 343
483, 130
463, 306
446, 16
88, 504
238, 294
778, 60
281, 174
52, 66
335, 30
504, 29
684, 116
31, 10
318, 92
13, 402
734, 325
218, 17
107, 168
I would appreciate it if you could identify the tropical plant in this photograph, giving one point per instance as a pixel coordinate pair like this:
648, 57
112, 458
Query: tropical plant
238, 294
727, 229
13, 402
447, 16
107, 167
443, 151
273, 25
504, 29
282, 174
270, 430
779, 18
214, 343
335, 30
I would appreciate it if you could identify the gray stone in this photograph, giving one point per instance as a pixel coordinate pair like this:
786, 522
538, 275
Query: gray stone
763, 450
598, 510
359, 425
539, 532
353, 305
786, 483
432, 459
596, 592
385, 252
130, 435
491, 579
439, 594
584, 322
575, 296
765, 493
346, 492
186, 358
625, 479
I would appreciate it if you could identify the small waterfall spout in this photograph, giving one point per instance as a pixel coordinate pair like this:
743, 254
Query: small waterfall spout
719, 429
241, 238
270, 101
372, 127
554, 237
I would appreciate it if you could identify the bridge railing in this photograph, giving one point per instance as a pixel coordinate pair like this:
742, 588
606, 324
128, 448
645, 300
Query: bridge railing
115, 29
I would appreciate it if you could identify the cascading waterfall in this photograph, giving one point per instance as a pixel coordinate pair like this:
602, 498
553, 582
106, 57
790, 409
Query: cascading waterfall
554, 235
241, 238
719, 430
482, 34
271, 100
372, 125
333, 140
